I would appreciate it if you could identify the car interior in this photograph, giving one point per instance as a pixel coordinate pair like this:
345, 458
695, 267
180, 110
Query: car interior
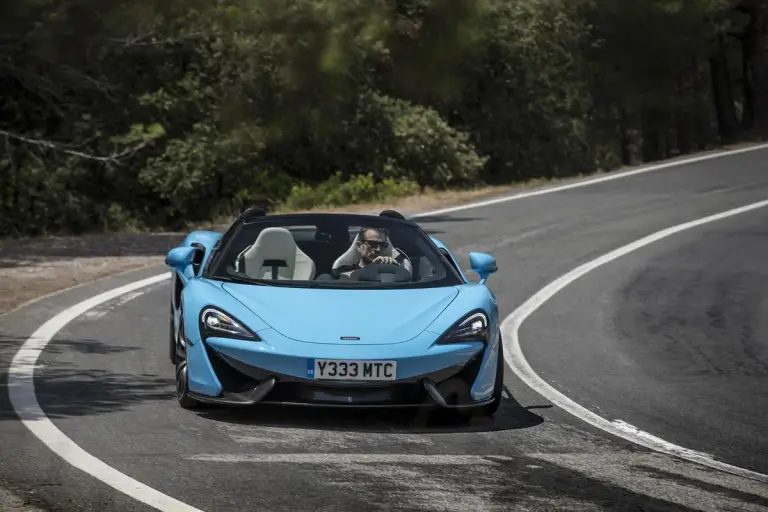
307, 253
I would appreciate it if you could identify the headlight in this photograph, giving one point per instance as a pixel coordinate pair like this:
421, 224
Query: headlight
473, 327
219, 324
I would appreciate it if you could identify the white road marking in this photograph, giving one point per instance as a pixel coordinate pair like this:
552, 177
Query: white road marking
97, 314
21, 388
517, 362
129, 297
21, 385
634, 431
355, 458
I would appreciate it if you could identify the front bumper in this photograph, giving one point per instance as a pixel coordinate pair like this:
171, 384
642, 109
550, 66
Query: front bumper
235, 372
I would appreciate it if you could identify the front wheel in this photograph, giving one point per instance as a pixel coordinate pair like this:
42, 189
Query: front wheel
182, 387
182, 371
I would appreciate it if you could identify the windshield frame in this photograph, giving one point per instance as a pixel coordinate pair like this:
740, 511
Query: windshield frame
216, 267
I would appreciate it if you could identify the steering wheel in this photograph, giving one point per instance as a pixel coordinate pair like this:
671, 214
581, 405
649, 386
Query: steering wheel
383, 273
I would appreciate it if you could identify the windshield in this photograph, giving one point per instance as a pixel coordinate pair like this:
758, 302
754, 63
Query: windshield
331, 251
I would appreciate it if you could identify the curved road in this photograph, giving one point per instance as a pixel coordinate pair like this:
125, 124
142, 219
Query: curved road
671, 339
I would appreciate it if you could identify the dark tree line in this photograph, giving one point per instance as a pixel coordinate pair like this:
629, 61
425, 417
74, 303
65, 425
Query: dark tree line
151, 113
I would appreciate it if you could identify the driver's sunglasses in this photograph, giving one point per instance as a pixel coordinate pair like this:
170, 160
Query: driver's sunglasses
375, 244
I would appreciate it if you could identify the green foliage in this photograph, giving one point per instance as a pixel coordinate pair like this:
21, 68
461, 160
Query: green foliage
533, 120
427, 150
361, 188
154, 113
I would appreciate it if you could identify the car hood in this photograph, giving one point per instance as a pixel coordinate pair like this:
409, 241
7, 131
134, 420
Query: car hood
329, 315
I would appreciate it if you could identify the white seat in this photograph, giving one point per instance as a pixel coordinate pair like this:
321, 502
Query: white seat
352, 257
275, 255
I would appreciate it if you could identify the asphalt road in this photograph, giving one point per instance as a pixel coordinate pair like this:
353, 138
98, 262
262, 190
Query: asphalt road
671, 339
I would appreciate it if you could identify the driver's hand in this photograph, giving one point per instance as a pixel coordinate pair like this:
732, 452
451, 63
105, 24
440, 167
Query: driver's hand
385, 260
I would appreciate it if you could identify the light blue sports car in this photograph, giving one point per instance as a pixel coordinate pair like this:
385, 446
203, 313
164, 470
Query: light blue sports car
326, 309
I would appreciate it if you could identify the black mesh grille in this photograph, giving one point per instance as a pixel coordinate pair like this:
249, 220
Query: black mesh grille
230, 379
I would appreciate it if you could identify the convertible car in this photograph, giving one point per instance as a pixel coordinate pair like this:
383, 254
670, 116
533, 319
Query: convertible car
327, 309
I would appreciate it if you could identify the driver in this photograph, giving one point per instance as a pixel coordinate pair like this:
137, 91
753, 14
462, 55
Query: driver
370, 243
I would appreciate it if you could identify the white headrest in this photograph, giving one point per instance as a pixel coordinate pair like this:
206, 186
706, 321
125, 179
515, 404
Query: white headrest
275, 244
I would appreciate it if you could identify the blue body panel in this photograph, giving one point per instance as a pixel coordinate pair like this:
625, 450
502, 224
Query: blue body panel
202, 378
297, 325
325, 315
205, 237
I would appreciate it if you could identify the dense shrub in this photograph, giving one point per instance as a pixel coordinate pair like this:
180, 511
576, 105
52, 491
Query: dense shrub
361, 188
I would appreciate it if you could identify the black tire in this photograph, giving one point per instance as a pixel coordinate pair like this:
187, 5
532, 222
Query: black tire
172, 339
182, 376
182, 387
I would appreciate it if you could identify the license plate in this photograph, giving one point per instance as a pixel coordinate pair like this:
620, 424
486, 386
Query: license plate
337, 369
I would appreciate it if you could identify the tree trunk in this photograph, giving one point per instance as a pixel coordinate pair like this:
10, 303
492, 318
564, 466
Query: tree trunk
748, 115
754, 43
722, 92
624, 142
652, 149
683, 121
759, 70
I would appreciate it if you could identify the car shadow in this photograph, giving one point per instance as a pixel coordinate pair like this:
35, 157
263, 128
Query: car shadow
511, 415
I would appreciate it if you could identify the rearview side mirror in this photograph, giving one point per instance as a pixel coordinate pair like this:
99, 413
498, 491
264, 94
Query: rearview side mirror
181, 259
483, 265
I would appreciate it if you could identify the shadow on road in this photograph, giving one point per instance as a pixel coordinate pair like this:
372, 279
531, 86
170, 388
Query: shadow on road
66, 390
666, 476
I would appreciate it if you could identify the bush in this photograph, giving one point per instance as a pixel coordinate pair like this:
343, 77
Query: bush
421, 147
334, 192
